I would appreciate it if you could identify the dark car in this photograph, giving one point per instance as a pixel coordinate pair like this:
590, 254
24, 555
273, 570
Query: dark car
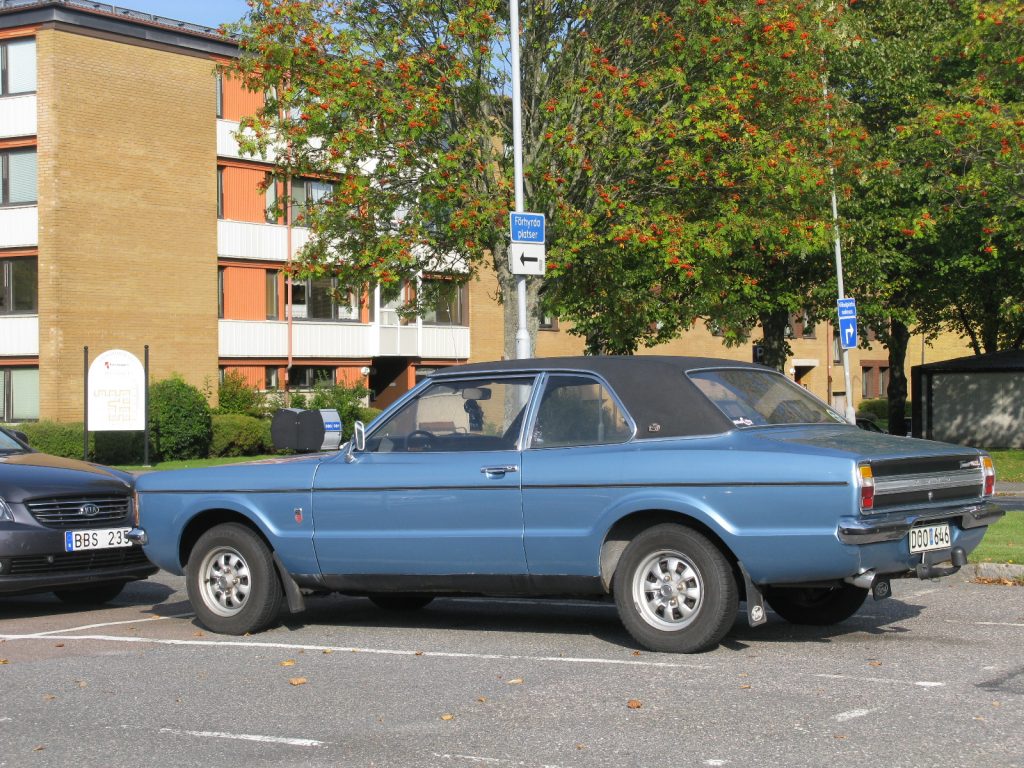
64, 526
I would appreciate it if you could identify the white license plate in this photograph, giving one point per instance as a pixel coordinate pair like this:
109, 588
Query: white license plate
103, 538
928, 538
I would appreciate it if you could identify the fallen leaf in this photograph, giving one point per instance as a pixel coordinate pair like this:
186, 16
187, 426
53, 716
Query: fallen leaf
636, 653
197, 633
49, 697
288, 663
874, 663
742, 674
838, 736
4, 661
298, 681
481, 699
328, 650
82, 683
515, 681
634, 704
447, 716
59, 645
419, 653
581, 746
744, 686
39, 748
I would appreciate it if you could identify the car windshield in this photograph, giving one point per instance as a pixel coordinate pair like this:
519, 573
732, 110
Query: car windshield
752, 397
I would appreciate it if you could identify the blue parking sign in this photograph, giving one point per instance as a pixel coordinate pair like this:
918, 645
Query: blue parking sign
526, 227
848, 332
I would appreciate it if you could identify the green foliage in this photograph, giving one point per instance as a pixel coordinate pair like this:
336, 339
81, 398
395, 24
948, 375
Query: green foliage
346, 400
296, 400
235, 434
118, 447
60, 439
180, 426
235, 396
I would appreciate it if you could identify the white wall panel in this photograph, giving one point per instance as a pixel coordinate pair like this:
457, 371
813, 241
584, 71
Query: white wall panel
18, 116
19, 227
19, 336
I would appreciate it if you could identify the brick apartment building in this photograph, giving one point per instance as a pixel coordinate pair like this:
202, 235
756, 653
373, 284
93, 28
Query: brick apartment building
128, 217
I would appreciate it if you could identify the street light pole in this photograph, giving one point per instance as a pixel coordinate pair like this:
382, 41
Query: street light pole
522, 334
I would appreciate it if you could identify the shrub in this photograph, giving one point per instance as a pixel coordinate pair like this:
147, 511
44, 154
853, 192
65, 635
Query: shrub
117, 447
179, 421
296, 400
60, 439
235, 434
878, 408
235, 396
346, 400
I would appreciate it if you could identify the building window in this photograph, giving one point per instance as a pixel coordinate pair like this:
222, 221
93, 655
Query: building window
271, 199
837, 348
18, 66
546, 322
220, 94
20, 292
307, 192
18, 182
315, 299
220, 193
883, 382
308, 376
272, 294
865, 382
19, 394
445, 302
270, 377
220, 292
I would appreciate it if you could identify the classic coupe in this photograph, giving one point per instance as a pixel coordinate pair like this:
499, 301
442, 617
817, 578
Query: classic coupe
678, 486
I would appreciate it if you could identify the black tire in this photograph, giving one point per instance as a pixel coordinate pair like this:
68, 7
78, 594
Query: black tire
816, 606
94, 594
232, 582
667, 619
400, 601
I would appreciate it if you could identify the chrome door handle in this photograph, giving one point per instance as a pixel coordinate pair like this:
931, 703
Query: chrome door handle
499, 471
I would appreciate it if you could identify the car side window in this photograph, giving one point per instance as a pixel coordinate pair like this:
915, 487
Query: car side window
484, 414
578, 410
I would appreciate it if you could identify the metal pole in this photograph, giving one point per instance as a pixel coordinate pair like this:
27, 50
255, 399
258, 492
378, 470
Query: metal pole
85, 404
522, 334
851, 412
145, 408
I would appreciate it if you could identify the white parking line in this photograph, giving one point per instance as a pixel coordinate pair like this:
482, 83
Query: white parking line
110, 624
853, 714
854, 678
372, 651
247, 737
477, 759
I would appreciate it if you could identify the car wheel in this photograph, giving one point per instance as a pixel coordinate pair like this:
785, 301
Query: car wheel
232, 582
96, 594
816, 606
675, 590
401, 601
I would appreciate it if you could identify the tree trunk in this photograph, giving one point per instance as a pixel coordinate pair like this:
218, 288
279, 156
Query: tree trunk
899, 338
776, 348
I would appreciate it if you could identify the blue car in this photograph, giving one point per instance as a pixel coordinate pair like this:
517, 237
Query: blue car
679, 486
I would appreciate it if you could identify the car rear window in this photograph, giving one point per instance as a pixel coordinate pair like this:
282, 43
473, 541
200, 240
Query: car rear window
751, 398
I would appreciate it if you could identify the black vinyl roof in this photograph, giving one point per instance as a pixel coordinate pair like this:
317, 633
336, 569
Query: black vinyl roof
654, 389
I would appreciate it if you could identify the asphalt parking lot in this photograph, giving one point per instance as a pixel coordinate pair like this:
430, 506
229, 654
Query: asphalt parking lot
931, 677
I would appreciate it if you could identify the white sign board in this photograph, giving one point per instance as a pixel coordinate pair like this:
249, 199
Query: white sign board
117, 390
526, 258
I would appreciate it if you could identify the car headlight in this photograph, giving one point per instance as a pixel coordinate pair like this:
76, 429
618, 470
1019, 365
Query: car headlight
6, 513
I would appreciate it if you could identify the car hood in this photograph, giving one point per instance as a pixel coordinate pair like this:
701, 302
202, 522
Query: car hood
39, 475
279, 473
850, 441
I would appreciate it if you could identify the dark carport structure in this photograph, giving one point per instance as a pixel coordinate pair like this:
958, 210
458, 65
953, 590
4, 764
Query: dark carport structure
976, 400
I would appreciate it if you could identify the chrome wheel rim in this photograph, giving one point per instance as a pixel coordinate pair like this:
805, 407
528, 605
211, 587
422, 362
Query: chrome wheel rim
224, 581
668, 590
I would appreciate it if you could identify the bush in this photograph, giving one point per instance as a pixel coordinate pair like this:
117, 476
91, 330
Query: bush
60, 439
347, 401
117, 447
235, 434
235, 396
878, 408
179, 421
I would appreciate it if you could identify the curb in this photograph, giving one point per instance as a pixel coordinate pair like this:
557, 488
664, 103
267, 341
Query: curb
994, 571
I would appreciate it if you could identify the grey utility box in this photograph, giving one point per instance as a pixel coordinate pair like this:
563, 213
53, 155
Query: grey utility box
297, 430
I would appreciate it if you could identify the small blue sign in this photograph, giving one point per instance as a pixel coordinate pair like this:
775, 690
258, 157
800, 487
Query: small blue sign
848, 332
847, 308
526, 227
332, 426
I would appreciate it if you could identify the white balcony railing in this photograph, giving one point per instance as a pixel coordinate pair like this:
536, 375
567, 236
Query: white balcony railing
19, 226
311, 339
246, 240
19, 336
18, 116
227, 144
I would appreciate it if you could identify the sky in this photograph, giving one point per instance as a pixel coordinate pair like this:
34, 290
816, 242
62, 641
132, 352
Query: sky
209, 13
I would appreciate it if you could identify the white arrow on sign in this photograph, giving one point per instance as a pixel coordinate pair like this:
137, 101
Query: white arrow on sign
850, 331
526, 258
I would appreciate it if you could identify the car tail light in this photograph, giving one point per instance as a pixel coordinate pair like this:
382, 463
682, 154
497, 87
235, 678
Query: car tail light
867, 488
990, 475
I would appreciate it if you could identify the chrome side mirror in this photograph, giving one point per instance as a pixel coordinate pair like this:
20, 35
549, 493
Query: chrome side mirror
358, 441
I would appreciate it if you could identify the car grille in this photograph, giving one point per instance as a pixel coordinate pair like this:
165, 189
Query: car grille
76, 561
923, 481
73, 512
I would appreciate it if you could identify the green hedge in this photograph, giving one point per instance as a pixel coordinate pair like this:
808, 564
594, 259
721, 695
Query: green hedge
179, 421
878, 408
235, 434
60, 439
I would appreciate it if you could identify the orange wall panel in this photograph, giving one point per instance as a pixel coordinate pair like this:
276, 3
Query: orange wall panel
245, 293
239, 102
243, 200
252, 374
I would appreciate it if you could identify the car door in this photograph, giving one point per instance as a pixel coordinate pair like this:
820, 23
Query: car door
435, 493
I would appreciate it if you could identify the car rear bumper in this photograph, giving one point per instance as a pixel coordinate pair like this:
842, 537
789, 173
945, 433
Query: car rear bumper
868, 530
